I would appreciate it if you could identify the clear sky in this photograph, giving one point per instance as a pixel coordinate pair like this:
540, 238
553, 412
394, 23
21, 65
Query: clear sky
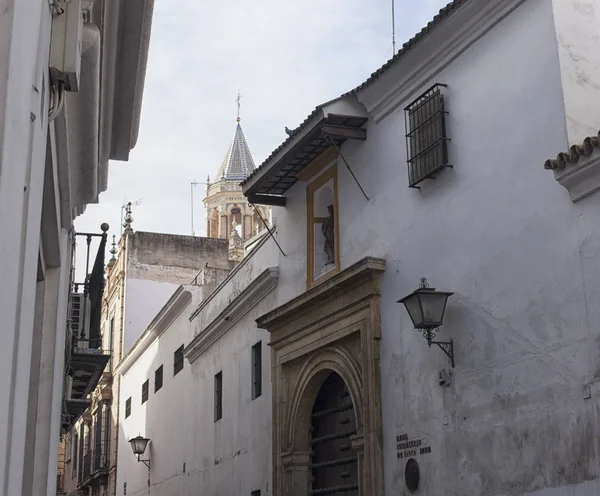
286, 57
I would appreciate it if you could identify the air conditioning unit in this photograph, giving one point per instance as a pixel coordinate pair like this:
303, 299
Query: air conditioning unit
80, 319
66, 43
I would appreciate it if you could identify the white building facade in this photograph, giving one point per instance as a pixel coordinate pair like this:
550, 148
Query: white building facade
484, 99
71, 84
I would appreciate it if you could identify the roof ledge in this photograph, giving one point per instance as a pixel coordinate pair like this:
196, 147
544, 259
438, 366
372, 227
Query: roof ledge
240, 306
130, 60
578, 170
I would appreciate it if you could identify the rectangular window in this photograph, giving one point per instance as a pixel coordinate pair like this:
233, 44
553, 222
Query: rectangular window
74, 456
426, 140
145, 388
178, 360
257, 370
322, 223
255, 493
218, 396
128, 407
158, 378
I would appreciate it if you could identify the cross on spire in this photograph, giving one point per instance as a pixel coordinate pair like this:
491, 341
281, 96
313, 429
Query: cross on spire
238, 100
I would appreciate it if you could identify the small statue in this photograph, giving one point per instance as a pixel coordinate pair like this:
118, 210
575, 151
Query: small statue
327, 228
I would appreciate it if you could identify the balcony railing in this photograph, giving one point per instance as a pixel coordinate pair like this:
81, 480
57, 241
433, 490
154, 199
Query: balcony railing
84, 352
87, 466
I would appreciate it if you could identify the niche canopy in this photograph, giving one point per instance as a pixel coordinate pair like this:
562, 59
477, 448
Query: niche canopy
331, 123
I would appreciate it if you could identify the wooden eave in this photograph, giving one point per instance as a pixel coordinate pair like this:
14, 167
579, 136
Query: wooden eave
269, 182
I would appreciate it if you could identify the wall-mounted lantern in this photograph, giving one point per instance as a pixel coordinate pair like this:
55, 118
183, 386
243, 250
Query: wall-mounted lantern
426, 308
138, 446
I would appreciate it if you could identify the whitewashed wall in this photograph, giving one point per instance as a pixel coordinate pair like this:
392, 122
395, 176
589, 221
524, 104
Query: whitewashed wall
497, 230
143, 300
521, 258
230, 456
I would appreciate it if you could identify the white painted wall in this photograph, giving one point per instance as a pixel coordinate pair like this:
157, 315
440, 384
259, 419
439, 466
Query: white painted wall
230, 456
497, 230
143, 300
521, 258
577, 24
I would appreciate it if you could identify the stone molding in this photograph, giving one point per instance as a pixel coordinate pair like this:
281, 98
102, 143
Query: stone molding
444, 44
237, 308
333, 327
582, 178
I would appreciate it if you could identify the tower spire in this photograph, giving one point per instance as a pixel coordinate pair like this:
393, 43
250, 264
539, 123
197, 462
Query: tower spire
238, 100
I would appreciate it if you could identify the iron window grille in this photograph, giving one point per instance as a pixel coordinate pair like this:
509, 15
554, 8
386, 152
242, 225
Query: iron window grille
257, 370
178, 360
145, 388
128, 407
218, 396
158, 378
426, 138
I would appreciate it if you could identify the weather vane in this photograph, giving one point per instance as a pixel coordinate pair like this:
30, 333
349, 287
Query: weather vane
238, 100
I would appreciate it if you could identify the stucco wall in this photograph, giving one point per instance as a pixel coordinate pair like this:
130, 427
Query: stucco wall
178, 259
231, 456
498, 231
519, 255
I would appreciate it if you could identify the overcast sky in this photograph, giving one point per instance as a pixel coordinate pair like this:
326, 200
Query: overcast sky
286, 57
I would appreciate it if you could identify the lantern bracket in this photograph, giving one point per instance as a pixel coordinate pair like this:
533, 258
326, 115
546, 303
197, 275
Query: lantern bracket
446, 346
145, 462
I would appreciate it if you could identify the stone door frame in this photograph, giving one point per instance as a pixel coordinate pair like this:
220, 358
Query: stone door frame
333, 327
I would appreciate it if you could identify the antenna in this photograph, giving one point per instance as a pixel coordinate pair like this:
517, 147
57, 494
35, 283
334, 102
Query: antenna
393, 30
135, 203
192, 184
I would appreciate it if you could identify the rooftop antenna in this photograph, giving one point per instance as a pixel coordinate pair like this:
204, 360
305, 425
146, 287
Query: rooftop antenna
393, 30
135, 203
192, 184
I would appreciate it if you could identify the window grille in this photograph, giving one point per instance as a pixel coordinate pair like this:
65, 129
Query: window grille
128, 407
158, 378
218, 396
257, 370
178, 360
145, 388
426, 139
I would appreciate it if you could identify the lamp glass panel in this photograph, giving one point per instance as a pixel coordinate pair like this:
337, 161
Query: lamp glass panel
433, 305
414, 310
138, 445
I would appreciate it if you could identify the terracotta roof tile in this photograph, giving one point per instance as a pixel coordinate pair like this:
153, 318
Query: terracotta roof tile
575, 152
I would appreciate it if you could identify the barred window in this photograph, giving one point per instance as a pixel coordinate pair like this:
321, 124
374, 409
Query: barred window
257, 370
426, 139
218, 396
158, 378
145, 388
178, 360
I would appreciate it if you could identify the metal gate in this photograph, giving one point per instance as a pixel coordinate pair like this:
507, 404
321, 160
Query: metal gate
333, 461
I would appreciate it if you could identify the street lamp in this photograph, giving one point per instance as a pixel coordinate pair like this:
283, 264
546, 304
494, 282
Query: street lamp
138, 446
426, 308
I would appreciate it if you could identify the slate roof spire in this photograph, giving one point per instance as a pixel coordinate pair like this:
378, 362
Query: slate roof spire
238, 162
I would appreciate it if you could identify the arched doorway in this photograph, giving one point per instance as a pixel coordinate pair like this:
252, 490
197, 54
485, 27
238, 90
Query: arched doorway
333, 460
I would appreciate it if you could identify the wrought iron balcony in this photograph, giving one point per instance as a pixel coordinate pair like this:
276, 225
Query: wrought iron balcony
86, 359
